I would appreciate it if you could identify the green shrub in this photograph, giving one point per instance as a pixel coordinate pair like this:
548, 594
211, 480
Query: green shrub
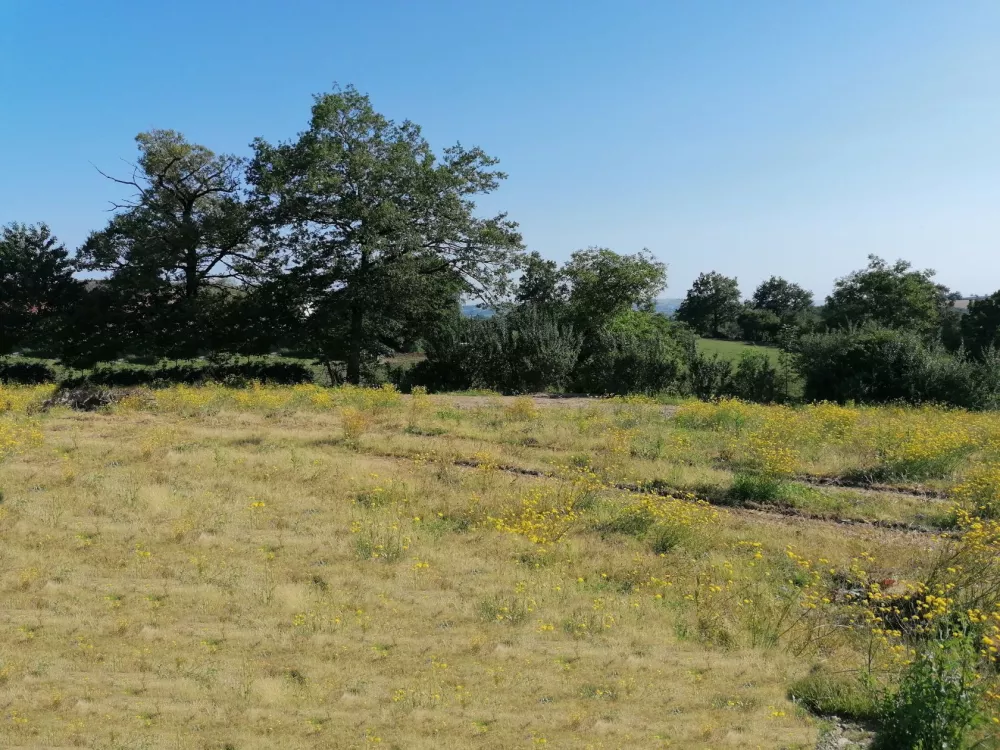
880, 365
709, 377
630, 521
522, 351
756, 488
236, 372
938, 702
630, 356
667, 537
26, 371
503, 609
758, 379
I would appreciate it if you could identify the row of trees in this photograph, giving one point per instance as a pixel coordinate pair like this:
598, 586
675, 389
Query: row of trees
354, 240
892, 295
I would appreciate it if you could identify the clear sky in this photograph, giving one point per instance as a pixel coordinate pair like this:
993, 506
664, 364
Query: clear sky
748, 137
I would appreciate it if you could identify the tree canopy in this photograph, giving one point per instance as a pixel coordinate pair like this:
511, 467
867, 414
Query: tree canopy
184, 227
712, 302
176, 247
376, 225
781, 297
891, 295
980, 327
603, 283
542, 283
356, 239
36, 284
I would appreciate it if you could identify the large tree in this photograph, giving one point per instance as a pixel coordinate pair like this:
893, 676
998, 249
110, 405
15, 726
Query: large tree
184, 227
380, 231
781, 297
36, 285
777, 305
712, 304
981, 325
603, 284
892, 295
179, 244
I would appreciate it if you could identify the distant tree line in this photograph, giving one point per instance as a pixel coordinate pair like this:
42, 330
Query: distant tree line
355, 241
887, 332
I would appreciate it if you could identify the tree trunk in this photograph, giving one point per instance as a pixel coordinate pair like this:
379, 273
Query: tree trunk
357, 323
190, 256
331, 373
354, 352
191, 277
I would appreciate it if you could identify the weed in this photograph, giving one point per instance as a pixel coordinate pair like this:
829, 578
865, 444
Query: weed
510, 610
759, 488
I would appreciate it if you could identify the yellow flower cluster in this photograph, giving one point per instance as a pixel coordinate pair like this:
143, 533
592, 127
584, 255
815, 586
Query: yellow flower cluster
891, 442
727, 414
907, 444
543, 515
16, 436
523, 409
688, 512
20, 399
355, 422
980, 491
763, 452
189, 399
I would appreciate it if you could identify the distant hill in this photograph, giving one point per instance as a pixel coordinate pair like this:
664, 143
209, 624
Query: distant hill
474, 311
665, 306
668, 306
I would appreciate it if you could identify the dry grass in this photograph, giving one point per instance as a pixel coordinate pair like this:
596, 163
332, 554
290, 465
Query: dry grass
240, 571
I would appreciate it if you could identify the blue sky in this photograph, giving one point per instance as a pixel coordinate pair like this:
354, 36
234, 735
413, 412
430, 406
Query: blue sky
751, 138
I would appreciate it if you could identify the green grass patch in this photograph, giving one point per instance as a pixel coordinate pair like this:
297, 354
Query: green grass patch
826, 693
733, 350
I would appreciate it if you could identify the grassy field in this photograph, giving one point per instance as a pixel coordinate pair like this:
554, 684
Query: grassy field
734, 349
217, 568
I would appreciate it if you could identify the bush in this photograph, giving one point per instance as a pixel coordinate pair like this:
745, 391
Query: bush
629, 521
709, 377
761, 488
236, 372
26, 371
667, 537
759, 325
522, 351
621, 363
986, 379
879, 365
938, 701
758, 379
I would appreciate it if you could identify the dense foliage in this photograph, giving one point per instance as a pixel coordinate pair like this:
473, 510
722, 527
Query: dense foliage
37, 289
524, 351
26, 371
712, 305
235, 372
875, 364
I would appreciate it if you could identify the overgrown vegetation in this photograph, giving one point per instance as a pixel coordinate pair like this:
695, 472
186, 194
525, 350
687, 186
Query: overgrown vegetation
464, 557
